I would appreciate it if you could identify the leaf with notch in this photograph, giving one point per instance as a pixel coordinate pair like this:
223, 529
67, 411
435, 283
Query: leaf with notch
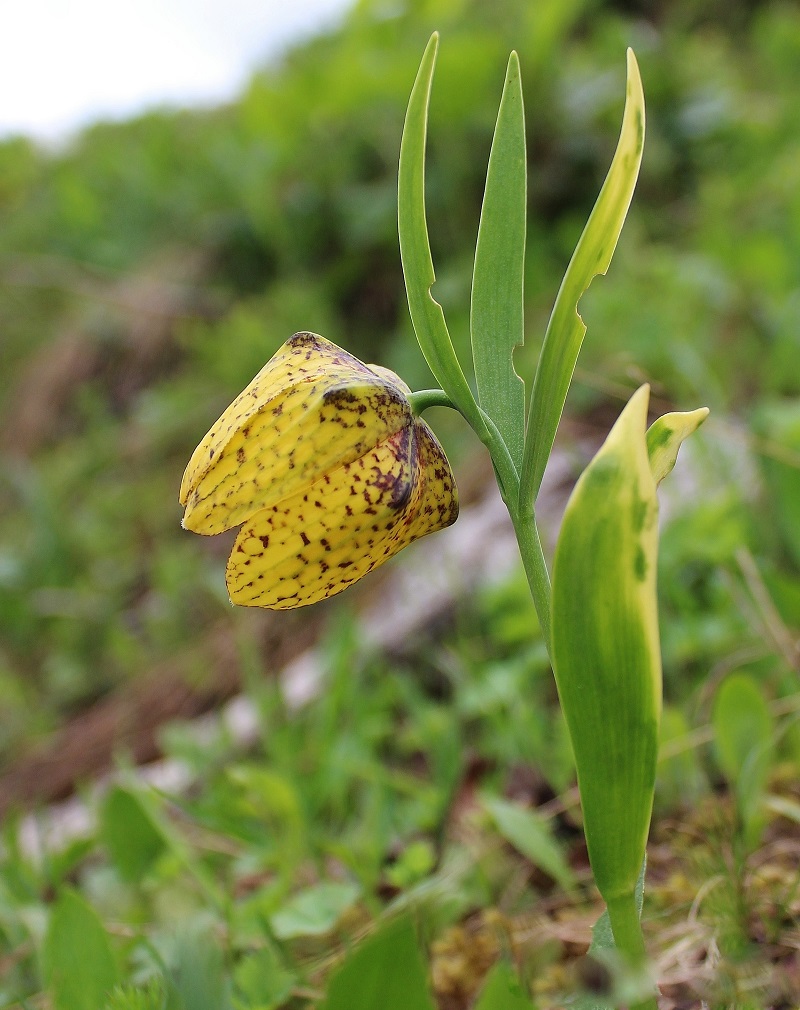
592, 256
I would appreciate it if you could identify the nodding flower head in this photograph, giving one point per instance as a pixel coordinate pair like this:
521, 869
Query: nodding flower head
324, 463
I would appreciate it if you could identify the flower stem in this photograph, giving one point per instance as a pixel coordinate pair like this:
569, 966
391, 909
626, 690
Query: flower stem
627, 930
525, 527
425, 398
530, 547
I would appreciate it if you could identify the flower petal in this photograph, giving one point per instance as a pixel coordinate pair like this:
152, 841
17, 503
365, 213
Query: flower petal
391, 377
324, 538
310, 409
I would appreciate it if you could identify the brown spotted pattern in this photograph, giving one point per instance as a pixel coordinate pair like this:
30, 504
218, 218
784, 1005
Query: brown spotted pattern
311, 408
323, 461
322, 539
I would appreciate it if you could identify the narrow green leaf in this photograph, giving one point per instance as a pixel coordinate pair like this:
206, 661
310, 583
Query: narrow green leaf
742, 724
784, 807
415, 251
743, 735
77, 959
129, 834
605, 647
385, 971
502, 991
497, 284
777, 421
665, 437
197, 971
681, 780
151, 832
531, 835
592, 256
314, 911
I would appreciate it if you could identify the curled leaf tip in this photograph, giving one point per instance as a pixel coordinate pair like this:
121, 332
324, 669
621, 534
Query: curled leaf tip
592, 256
665, 437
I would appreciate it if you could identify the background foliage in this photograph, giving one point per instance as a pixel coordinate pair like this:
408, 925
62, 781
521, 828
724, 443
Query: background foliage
147, 271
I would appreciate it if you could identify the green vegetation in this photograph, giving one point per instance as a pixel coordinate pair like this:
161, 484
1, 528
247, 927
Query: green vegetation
149, 271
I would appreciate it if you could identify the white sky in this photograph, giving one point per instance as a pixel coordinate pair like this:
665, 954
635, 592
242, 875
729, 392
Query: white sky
64, 63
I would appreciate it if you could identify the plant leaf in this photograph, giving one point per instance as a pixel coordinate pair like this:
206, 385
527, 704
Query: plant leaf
743, 736
129, 834
606, 650
592, 256
497, 284
385, 971
197, 972
262, 981
501, 990
531, 835
415, 251
665, 437
79, 966
148, 825
314, 911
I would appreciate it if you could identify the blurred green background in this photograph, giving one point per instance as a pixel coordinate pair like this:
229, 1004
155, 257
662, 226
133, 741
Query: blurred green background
149, 269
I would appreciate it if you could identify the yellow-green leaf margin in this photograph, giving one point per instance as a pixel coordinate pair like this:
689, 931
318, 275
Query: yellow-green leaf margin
666, 435
606, 647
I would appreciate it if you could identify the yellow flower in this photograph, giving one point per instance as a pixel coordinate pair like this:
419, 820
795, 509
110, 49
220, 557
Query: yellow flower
323, 461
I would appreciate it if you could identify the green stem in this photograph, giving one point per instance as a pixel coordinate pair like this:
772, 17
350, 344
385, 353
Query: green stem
628, 938
425, 398
505, 470
530, 545
507, 476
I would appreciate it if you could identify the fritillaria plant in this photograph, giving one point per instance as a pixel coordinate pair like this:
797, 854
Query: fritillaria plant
328, 468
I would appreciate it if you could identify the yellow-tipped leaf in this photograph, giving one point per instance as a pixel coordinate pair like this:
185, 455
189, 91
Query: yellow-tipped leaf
666, 435
606, 648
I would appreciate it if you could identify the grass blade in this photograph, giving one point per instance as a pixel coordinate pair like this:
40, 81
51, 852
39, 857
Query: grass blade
531, 835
